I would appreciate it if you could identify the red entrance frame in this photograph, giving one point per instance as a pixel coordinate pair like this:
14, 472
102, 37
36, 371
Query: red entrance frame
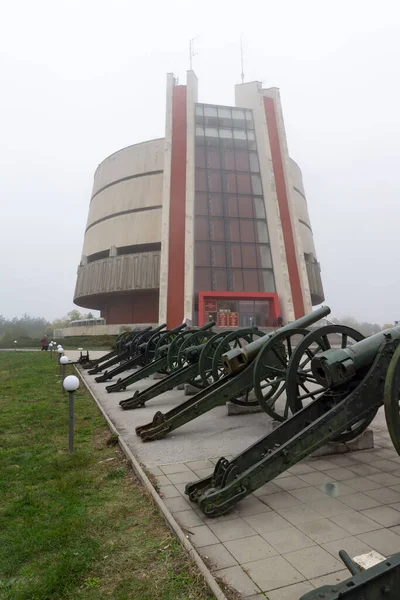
272, 296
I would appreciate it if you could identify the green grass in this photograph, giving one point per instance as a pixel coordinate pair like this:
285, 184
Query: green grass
75, 526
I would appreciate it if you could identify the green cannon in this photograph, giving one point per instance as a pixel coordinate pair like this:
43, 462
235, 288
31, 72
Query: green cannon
116, 349
122, 352
346, 387
234, 384
196, 359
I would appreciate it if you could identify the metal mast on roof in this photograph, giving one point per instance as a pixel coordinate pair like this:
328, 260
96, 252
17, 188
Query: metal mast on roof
191, 52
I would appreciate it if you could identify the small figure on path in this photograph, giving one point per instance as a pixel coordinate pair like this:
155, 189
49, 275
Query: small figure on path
280, 321
45, 343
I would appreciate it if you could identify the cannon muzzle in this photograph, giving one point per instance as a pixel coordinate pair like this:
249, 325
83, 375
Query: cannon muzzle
238, 358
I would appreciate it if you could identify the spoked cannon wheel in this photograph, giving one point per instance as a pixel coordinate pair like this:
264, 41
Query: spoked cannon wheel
392, 399
152, 345
173, 350
301, 385
165, 339
207, 357
270, 368
199, 338
236, 339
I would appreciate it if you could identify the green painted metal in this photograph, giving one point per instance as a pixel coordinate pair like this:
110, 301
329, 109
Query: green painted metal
237, 359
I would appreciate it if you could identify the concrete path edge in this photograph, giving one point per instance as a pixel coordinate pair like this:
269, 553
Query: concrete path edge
173, 525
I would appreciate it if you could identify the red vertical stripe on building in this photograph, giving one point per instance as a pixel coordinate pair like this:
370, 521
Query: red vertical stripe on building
283, 204
177, 210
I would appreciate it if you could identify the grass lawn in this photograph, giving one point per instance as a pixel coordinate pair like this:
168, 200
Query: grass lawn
75, 526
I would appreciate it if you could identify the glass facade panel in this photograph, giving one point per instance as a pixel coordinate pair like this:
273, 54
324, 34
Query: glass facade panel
231, 234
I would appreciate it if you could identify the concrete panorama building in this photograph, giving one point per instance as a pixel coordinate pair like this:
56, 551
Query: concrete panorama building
210, 222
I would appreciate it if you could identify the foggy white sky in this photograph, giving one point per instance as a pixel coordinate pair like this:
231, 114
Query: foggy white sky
81, 79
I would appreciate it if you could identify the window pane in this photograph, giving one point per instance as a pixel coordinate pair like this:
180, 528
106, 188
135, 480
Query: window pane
225, 133
249, 117
246, 306
247, 231
201, 180
231, 206
264, 257
201, 229
250, 281
213, 160
261, 306
218, 255
237, 114
200, 157
242, 160
215, 203
228, 159
250, 135
220, 282
201, 204
214, 181
243, 183
259, 208
232, 228
254, 166
199, 130
210, 111
229, 182
262, 232
199, 110
202, 254
267, 283
231, 305
249, 256
256, 184
217, 230
224, 113
237, 280
211, 132
203, 279
239, 134
234, 255
245, 205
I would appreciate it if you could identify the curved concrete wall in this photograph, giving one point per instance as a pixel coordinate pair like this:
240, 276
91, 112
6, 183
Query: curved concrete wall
125, 208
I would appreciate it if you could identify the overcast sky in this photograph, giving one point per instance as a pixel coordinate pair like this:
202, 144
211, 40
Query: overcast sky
82, 79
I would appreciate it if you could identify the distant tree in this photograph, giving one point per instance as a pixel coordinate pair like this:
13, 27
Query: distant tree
387, 326
364, 327
74, 315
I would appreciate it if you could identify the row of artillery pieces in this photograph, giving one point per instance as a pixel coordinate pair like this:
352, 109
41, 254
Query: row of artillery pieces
321, 384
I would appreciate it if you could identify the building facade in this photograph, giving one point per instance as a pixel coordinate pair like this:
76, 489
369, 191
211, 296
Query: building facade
208, 223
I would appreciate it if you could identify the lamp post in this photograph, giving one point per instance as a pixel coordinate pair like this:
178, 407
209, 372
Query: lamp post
64, 360
60, 351
71, 384
51, 345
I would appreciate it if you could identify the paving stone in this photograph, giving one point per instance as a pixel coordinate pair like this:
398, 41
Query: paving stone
331, 579
169, 491
250, 548
283, 475
396, 506
232, 514
292, 482
342, 461
194, 465
385, 541
386, 465
308, 494
352, 545
218, 556
202, 536
384, 515
323, 531
395, 488
176, 504
321, 465
313, 562
273, 573
386, 479
384, 495
268, 488
237, 578
174, 468
330, 507
231, 530
154, 470
359, 501
300, 469
362, 484
269, 521
301, 513
368, 457
396, 473
281, 500
203, 472
291, 592
316, 478
188, 518
288, 540
362, 470
355, 523
185, 477
181, 489
251, 506
396, 529
163, 480
339, 474
336, 489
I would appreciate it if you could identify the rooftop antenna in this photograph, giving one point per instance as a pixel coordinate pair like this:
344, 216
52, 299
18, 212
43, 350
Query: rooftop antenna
241, 59
191, 52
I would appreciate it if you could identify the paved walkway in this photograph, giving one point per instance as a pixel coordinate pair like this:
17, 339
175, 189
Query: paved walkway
283, 540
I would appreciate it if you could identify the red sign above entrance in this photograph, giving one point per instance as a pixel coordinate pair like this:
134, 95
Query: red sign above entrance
210, 305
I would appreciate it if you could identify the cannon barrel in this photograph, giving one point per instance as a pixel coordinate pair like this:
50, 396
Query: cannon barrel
336, 366
238, 358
